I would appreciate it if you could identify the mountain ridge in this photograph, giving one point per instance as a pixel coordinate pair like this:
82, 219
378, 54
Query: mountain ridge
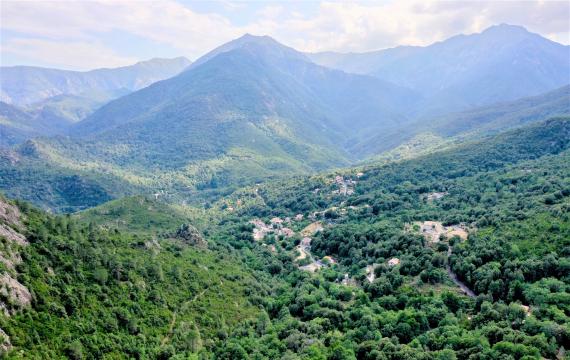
250, 110
25, 85
254, 81
502, 63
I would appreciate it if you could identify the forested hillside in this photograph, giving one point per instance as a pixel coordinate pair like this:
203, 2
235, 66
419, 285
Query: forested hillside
435, 132
259, 110
492, 217
460, 254
251, 95
323, 180
98, 293
254, 109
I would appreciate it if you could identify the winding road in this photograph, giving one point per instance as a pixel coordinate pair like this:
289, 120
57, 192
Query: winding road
454, 278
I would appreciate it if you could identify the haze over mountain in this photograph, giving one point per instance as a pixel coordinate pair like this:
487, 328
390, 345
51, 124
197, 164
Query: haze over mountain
455, 127
412, 203
252, 96
249, 110
502, 116
25, 85
51, 100
17, 125
502, 63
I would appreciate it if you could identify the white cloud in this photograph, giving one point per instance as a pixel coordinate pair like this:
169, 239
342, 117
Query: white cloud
70, 54
163, 21
344, 26
339, 26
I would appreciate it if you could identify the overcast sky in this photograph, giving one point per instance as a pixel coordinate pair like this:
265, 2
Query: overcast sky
82, 35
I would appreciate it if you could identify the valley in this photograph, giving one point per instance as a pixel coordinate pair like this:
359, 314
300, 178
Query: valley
351, 235
248, 111
263, 202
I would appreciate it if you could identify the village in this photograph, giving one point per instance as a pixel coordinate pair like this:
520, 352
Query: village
282, 228
278, 228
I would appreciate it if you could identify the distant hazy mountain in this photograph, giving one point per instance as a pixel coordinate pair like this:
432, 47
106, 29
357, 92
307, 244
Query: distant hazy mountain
15, 125
43, 102
247, 111
25, 85
68, 108
503, 116
456, 127
502, 63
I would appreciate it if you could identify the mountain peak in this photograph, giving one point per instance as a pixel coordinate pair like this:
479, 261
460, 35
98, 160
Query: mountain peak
256, 40
259, 38
508, 34
261, 45
506, 29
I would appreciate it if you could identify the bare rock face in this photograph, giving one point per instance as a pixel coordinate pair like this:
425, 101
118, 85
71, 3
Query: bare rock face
190, 235
10, 214
10, 219
12, 236
13, 295
5, 344
18, 295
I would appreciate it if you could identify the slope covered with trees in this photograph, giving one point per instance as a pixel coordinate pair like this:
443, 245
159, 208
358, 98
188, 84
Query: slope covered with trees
254, 109
99, 293
510, 194
384, 287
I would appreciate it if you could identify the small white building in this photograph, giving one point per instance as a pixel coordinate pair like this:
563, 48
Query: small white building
393, 262
276, 221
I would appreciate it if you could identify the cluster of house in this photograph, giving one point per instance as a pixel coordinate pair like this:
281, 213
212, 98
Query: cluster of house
434, 230
317, 264
345, 186
276, 226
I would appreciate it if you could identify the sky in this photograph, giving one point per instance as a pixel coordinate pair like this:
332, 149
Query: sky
87, 34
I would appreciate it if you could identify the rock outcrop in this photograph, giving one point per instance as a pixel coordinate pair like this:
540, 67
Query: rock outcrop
5, 344
188, 234
18, 295
14, 296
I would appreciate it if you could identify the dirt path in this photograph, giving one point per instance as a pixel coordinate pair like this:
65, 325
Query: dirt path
173, 321
303, 253
454, 278
170, 329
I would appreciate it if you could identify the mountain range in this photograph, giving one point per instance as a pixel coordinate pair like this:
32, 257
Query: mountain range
38, 101
502, 63
261, 203
249, 94
254, 109
26, 85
